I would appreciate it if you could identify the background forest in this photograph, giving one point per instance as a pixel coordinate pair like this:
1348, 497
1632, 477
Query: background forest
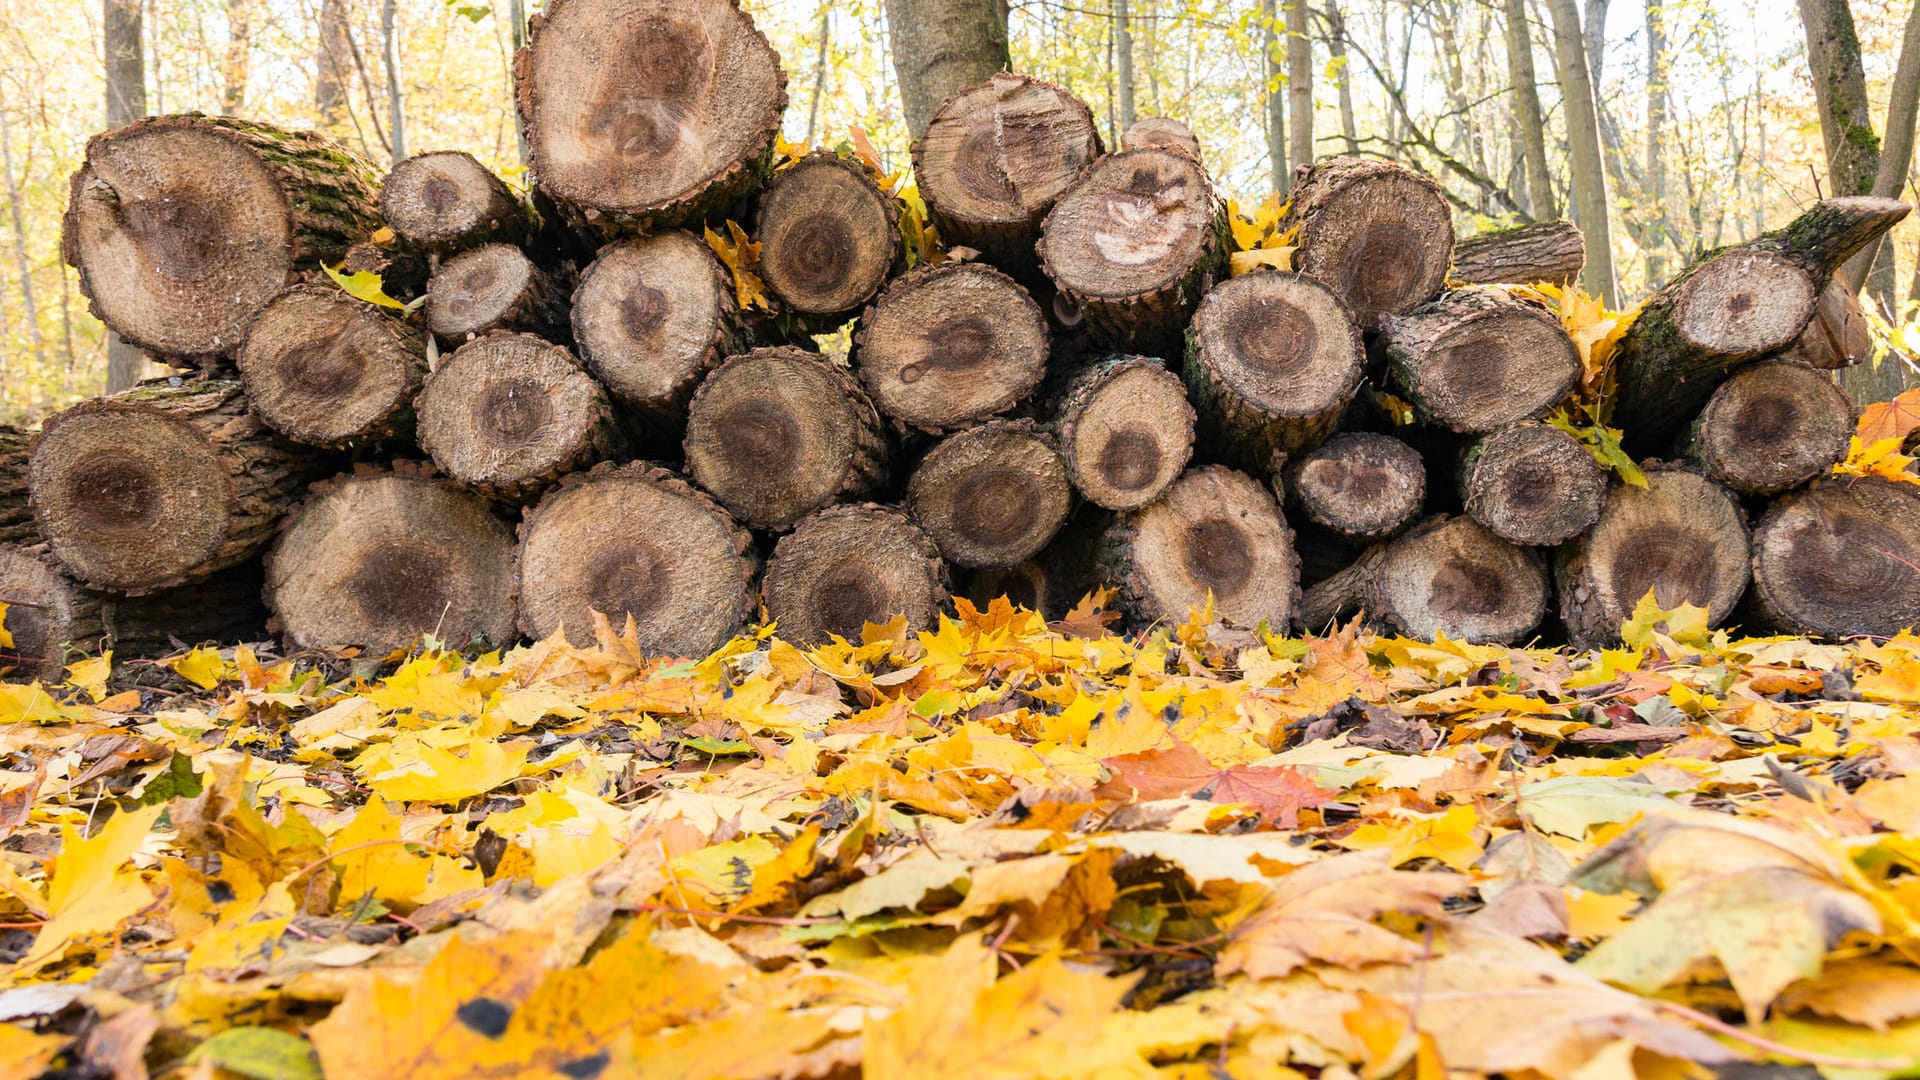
1714, 119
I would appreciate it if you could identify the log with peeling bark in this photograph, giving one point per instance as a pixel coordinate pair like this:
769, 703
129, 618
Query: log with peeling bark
1125, 430
1215, 532
1163, 132
1532, 484
1553, 252
1478, 359
183, 227
948, 345
1840, 559
16, 515
849, 565
635, 542
163, 484
1378, 232
1774, 425
325, 369
1447, 575
446, 201
992, 495
1361, 486
829, 237
493, 287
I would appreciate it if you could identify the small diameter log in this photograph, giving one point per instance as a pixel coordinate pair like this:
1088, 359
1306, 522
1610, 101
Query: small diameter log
1532, 484
829, 237
1134, 244
16, 515
1125, 431
446, 201
647, 115
992, 495
1360, 485
775, 434
1683, 537
1378, 232
378, 558
1272, 360
1839, 559
1448, 575
1731, 306
325, 369
1553, 252
994, 159
850, 565
162, 484
1479, 359
635, 542
948, 345
47, 613
651, 317
183, 227
508, 414
1162, 132
1838, 335
493, 287
1773, 425
1215, 531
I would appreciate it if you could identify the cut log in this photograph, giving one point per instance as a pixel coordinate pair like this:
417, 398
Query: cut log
1448, 575
992, 495
635, 541
1052, 582
850, 565
446, 201
376, 559
493, 287
16, 515
47, 615
644, 114
1161, 132
651, 317
1479, 359
996, 157
1532, 484
1553, 252
1378, 232
947, 345
1683, 537
1773, 425
325, 369
1125, 430
163, 484
183, 227
401, 267
1838, 335
508, 414
1134, 244
1360, 485
1732, 306
1272, 360
829, 237
1840, 559
1216, 531
775, 434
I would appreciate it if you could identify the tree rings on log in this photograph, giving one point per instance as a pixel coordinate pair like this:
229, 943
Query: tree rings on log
325, 369
1447, 575
1773, 425
1126, 431
635, 542
651, 317
829, 237
950, 344
1533, 484
850, 565
1053, 581
1479, 359
1361, 485
377, 559
446, 200
46, 613
775, 434
1162, 132
992, 495
1215, 531
492, 287
648, 113
1839, 559
1378, 232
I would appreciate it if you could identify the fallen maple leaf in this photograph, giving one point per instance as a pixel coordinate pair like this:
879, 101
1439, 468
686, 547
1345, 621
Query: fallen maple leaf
1278, 792
1895, 419
1324, 911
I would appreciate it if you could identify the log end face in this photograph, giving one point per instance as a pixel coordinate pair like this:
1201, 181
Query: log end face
1744, 303
1841, 559
992, 496
1773, 425
1495, 369
1459, 579
1382, 237
1535, 485
1362, 485
1682, 537
507, 412
1131, 437
950, 344
324, 369
850, 565
477, 291
1218, 531
1135, 223
42, 615
649, 316
1000, 153
1282, 343
828, 236
444, 197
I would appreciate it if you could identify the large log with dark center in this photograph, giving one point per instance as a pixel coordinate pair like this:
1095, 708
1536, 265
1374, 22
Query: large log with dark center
1361, 486
183, 227
1376, 231
1840, 558
1125, 430
945, 346
325, 369
1553, 252
445, 201
992, 495
1447, 575
829, 237
1215, 531
493, 287
1478, 359
850, 565
1532, 484
1773, 425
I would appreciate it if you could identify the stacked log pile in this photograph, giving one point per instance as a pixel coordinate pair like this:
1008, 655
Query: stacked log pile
569, 410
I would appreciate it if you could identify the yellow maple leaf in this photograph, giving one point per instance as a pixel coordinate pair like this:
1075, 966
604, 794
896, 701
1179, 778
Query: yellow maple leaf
90, 890
409, 770
742, 256
1883, 459
1277, 258
203, 667
1448, 837
1686, 624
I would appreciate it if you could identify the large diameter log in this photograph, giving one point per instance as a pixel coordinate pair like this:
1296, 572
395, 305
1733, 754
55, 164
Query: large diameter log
829, 237
508, 414
445, 200
493, 287
1125, 430
1839, 559
996, 157
1447, 575
635, 542
16, 515
376, 559
1378, 232
948, 345
1732, 306
1272, 360
1478, 359
1773, 425
325, 369
1682, 537
1532, 484
1362, 486
1134, 244
648, 113
775, 434
850, 565
1216, 531
183, 227
992, 495
1553, 252
162, 484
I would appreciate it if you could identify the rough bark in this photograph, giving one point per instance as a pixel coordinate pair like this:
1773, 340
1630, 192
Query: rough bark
1161, 132
1839, 559
1448, 575
16, 516
947, 345
493, 287
47, 614
1838, 335
1379, 233
992, 495
1362, 486
325, 369
445, 201
1123, 61
1551, 251
1479, 359
1125, 431
1773, 425
941, 47
1528, 115
126, 81
1590, 206
1216, 531
1840, 93
829, 237
847, 566
1532, 484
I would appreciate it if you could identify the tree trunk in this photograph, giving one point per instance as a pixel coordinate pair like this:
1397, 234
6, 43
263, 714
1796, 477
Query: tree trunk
1276, 107
396, 91
992, 495
1337, 48
1840, 90
325, 369
1379, 233
1528, 115
493, 287
1448, 575
941, 47
1551, 251
1532, 484
20, 258
1216, 532
126, 78
1583, 135
1656, 25
233, 71
334, 51
1773, 425
1300, 83
1360, 486
829, 237
1125, 431
948, 345
847, 566
1123, 61
1839, 559
1896, 157
446, 201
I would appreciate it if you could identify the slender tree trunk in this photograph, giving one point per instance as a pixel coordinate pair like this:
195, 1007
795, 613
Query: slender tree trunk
1896, 155
1527, 114
1123, 62
1593, 20
1276, 111
1337, 48
819, 71
20, 242
517, 14
1656, 130
396, 93
126, 72
233, 72
331, 63
1583, 135
1300, 82
940, 47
